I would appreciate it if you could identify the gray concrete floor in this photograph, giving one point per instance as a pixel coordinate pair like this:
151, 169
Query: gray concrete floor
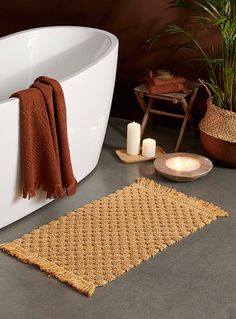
195, 278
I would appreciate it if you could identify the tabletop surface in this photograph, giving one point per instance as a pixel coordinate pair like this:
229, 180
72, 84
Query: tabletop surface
143, 88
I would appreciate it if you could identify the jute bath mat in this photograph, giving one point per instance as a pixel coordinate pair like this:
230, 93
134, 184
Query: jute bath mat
95, 244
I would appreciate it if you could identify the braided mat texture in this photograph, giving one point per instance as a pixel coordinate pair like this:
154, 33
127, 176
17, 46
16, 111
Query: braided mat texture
95, 244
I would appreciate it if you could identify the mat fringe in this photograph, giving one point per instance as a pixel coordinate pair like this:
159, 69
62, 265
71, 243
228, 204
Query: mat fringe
173, 193
49, 267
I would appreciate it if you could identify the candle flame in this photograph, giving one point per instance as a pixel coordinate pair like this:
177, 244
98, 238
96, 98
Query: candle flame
183, 164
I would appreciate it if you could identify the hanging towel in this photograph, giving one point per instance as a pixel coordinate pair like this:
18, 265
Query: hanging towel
45, 154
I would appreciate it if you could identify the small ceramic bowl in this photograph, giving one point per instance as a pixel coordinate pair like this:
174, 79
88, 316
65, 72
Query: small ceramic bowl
170, 165
163, 74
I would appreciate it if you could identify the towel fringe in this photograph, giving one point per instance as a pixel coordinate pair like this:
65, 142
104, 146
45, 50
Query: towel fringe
70, 190
55, 192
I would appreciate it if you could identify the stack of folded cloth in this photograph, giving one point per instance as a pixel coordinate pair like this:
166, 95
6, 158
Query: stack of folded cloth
170, 84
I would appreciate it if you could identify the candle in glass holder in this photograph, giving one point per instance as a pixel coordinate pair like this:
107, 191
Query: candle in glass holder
133, 138
149, 147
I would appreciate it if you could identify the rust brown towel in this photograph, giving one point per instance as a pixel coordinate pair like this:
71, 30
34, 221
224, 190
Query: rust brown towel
173, 85
167, 88
45, 155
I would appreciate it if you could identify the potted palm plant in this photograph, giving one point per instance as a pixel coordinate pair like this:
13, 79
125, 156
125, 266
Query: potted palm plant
218, 127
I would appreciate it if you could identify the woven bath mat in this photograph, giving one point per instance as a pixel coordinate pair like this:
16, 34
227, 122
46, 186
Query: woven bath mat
95, 244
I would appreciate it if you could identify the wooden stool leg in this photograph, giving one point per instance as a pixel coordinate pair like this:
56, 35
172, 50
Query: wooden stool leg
188, 115
190, 104
140, 98
179, 141
146, 114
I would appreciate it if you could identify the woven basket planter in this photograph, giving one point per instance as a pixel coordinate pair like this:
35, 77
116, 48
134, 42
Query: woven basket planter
218, 134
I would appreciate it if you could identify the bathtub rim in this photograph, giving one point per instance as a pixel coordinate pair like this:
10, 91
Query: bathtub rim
114, 42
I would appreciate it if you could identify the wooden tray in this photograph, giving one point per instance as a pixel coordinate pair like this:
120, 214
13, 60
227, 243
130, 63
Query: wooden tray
126, 158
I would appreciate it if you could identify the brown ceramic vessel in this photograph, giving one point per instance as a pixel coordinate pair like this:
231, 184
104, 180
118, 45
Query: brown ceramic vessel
220, 150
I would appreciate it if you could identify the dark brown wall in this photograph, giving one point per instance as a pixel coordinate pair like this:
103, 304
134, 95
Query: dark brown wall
132, 21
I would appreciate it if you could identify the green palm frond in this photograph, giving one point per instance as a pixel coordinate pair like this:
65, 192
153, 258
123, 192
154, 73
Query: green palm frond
222, 68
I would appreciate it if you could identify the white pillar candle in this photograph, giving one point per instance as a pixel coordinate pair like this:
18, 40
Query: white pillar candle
149, 147
133, 138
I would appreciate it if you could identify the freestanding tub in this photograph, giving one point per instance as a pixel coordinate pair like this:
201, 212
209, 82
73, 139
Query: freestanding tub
84, 61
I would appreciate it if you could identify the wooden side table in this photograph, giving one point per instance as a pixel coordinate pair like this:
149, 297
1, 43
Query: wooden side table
142, 92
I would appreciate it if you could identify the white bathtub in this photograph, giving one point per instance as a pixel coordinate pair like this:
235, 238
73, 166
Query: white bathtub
84, 61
